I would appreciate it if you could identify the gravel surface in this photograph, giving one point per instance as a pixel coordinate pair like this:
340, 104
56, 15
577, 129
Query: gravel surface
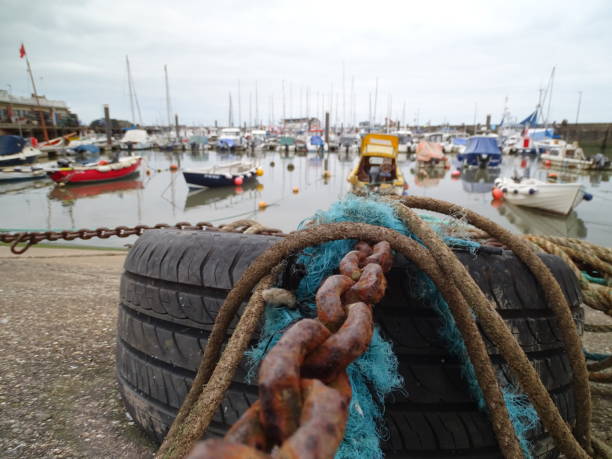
58, 396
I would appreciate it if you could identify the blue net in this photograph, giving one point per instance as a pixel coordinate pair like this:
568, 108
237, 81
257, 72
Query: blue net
375, 374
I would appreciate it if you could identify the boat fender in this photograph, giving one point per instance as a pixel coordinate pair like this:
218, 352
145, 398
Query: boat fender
497, 193
104, 168
228, 176
587, 196
504, 190
532, 191
515, 191
238, 181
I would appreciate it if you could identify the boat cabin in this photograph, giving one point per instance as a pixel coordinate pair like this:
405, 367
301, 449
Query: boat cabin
378, 163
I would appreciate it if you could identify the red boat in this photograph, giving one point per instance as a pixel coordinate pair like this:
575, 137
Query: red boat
99, 172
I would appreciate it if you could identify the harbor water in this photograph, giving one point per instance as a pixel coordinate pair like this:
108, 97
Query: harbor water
293, 187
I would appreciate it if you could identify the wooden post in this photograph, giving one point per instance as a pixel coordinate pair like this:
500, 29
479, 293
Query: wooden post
108, 128
176, 124
327, 128
604, 144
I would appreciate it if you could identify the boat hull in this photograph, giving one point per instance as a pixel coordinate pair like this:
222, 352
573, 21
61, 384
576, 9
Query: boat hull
211, 180
27, 156
558, 198
101, 173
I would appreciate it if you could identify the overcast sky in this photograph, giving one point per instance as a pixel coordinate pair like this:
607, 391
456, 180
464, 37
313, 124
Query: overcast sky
440, 59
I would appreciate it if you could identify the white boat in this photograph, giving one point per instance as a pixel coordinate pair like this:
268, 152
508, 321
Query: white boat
563, 154
16, 150
136, 139
231, 139
16, 174
559, 198
406, 142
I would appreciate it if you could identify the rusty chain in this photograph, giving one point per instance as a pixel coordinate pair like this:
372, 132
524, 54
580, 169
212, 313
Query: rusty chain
34, 237
304, 390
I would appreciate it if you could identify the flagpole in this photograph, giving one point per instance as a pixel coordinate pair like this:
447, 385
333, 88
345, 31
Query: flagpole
40, 112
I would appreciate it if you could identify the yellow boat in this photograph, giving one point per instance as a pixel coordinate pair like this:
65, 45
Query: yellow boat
377, 169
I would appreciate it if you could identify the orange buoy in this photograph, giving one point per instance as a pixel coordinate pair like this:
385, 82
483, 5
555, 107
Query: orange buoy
296, 190
497, 194
456, 174
326, 174
259, 171
259, 187
173, 167
552, 176
238, 181
102, 162
148, 172
547, 163
262, 205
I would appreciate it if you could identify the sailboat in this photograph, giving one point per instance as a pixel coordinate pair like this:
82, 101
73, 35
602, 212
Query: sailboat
134, 138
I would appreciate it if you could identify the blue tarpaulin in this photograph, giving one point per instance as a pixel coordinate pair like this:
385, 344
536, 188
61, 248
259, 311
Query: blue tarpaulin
316, 140
87, 149
459, 141
11, 144
481, 149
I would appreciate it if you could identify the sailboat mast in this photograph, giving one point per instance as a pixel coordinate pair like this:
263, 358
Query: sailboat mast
40, 112
256, 106
375, 102
550, 89
239, 107
130, 89
168, 111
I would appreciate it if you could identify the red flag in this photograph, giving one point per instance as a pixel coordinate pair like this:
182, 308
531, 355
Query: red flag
22, 51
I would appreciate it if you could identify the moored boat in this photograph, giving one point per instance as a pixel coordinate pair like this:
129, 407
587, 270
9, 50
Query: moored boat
15, 150
229, 174
431, 154
562, 154
559, 198
377, 169
481, 151
15, 174
98, 172
136, 139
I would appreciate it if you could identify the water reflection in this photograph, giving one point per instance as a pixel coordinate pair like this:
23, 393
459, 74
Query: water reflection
74, 192
222, 197
425, 176
477, 180
533, 221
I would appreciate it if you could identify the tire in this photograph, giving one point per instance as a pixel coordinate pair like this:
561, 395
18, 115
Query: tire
175, 282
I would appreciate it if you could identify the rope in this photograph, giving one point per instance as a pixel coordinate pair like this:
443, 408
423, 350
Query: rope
512, 352
177, 445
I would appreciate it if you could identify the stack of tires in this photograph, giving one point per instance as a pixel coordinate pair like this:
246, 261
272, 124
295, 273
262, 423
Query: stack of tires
175, 282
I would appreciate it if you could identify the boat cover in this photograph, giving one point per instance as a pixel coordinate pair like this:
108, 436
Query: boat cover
316, 140
426, 151
482, 146
87, 149
459, 141
135, 136
287, 140
11, 144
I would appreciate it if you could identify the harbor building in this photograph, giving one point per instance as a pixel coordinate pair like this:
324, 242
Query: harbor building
21, 115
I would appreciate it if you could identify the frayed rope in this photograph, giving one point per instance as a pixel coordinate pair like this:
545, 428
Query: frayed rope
375, 374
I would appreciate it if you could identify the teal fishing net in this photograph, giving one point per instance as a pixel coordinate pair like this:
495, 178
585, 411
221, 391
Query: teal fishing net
375, 374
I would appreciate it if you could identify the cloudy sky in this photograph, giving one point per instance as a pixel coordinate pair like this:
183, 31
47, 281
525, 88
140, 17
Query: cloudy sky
442, 60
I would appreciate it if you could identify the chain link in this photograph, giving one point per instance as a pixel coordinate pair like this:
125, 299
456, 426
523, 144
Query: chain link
304, 390
34, 237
